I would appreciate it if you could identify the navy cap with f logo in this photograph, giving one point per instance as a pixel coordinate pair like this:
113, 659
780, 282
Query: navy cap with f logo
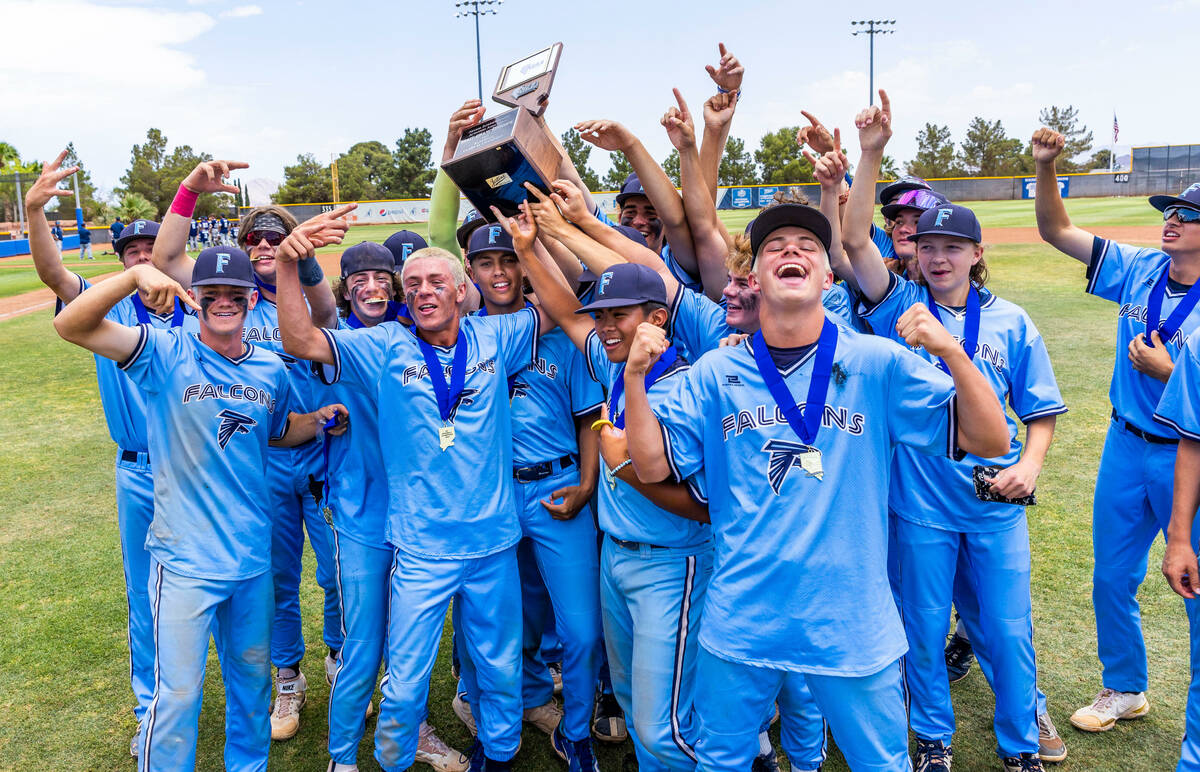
489, 238
627, 284
404, 243
138, 229
1189, 198
949, 220
223, 265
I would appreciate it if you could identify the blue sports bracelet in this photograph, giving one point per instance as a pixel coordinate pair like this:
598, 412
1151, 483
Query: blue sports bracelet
726, 91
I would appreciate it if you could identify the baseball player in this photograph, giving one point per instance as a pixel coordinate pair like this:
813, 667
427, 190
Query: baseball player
654, 564
193, 241
555, 469
1157, 293
124, 413
977, 524
772, 468
1179, 409
213, 403
292, 471
403, 243
355, 500
451, 515
115, 231
57, 234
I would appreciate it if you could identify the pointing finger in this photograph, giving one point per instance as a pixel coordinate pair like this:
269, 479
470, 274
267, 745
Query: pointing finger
885, 104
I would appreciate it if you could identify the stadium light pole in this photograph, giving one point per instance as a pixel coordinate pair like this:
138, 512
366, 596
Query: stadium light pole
871, 28
477, 8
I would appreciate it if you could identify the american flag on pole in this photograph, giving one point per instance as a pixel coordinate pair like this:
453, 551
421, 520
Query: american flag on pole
1116, 127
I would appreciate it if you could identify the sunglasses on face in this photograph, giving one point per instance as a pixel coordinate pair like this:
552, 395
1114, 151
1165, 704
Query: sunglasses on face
254, 238
917, 199
1181, 213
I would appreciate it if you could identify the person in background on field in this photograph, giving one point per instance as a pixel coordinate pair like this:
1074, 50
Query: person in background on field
116, 229
56, 233
85, 242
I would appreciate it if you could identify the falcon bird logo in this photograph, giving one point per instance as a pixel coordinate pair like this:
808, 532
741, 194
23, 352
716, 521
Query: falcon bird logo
784, 456
465, 398
232, 423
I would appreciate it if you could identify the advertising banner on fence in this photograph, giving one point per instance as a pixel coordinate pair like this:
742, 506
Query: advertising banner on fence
1029, 187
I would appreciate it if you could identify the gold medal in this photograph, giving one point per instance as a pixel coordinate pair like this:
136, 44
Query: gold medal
810, 462
328, 513
446, 435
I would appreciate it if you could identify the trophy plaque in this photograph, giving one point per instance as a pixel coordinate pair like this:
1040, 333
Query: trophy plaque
495, 158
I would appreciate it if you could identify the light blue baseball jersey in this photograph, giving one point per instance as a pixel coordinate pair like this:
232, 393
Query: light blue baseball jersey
1179, 407
123, 402
262, 329
883, 240
940, 492
455, 503
697, 324
545, 396
1125, 275
209, 419
623, 512
800, 566
356, 487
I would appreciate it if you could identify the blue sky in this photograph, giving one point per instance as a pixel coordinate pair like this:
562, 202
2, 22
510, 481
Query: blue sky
264, 81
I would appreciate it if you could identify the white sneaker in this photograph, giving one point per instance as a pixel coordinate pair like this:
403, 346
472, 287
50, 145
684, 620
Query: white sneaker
1108, 708
545, 717
433, 751
330, 669
290, 695
335, 767
133, 746
462, 709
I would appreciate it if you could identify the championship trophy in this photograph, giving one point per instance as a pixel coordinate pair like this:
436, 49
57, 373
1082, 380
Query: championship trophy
495, 158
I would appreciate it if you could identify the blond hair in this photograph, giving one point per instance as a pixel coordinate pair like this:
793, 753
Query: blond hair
437, 253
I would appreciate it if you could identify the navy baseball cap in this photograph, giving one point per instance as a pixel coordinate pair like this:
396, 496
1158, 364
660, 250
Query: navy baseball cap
490, 238
402, 244
138, 229
632, 187
949, 220
223, 265
367, 256
919, 199
907, 182
782, 215
1189, 198
626, 284
471, 220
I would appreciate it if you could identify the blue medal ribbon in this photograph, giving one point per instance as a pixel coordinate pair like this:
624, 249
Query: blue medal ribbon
665, 360
1168, 329
143, 316
262, 285
970, 342
326, 438
447, 395
805, 424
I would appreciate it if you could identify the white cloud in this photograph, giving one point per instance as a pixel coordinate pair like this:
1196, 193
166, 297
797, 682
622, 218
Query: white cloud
242, 11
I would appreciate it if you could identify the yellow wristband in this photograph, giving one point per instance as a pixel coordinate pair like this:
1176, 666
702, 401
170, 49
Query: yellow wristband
599, 424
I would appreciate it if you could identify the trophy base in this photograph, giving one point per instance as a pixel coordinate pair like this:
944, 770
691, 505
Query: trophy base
495, 159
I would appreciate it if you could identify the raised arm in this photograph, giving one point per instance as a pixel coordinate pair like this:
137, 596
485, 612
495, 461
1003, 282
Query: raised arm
830, 171
668, 205
718, 115
709, 236
642, 431
301, 338
443, 205
1054, 226
46, 260
170, 246
82, 322
982, 429
555, 298
597, 244
874, 130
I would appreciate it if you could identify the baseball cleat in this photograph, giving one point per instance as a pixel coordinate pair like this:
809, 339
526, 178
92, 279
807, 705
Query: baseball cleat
1026, 762
290, 696
432, 750
330, 669
608, 720
545, 717
765, 762
1109, 707
335, 767
1050, 746
133, 746
462, 709
933, 756
579, 754
959, 657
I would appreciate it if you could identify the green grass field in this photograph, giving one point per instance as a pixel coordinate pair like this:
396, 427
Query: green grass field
64, 692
